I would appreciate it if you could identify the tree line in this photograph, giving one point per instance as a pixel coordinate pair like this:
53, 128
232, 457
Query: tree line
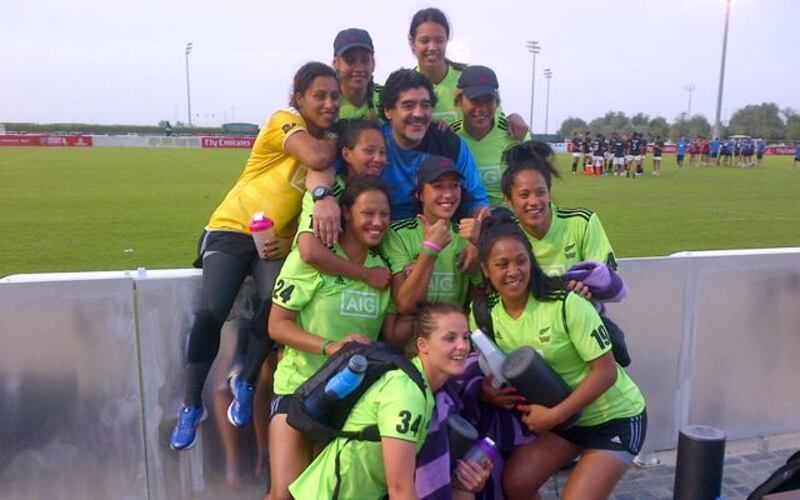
97, 129
766, 120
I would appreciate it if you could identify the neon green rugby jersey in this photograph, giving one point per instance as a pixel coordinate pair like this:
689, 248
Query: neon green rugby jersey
401, 245
401, 411
329, 306
369, 110
488, 154
445, 91
575, 235
568, 333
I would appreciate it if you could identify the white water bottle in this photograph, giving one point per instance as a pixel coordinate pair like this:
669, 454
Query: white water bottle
491, 358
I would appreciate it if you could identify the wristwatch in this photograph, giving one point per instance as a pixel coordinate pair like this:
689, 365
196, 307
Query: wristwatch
320, 192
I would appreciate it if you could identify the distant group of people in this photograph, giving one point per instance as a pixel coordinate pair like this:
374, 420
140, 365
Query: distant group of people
395, 209
716, 152
623, 154
620, 154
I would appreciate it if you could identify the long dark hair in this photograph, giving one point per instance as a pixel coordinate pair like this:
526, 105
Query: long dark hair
529, 155
305, 77
349, 130
501, 225
357, 185
436, 16
431, 14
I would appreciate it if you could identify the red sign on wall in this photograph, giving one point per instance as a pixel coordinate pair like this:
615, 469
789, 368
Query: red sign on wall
779, 150
227, 142
46, 140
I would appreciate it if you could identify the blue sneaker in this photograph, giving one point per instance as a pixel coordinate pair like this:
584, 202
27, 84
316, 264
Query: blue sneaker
184, 436
240, 411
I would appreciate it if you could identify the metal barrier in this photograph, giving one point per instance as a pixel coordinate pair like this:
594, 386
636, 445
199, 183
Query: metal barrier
652, 318
91, 371
70, 398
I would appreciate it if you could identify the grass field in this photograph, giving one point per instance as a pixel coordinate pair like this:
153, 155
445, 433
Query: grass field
101, 209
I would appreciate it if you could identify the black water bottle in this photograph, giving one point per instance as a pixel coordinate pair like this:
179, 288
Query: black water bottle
534, 380
461, 435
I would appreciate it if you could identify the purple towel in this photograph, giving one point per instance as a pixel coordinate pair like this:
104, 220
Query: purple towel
460, 395
605, 284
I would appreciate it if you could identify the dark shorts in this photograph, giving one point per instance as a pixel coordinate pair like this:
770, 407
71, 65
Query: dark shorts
680, 157
624, 435
759, 155
714, 154
279, 405
239, 245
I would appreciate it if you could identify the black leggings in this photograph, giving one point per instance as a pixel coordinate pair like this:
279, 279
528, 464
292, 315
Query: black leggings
228, 258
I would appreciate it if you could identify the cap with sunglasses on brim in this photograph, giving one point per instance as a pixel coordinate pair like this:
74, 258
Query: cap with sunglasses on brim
350, 39
476, 81
433, 167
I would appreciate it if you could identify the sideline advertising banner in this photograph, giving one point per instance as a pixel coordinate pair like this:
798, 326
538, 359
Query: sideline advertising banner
46, 140
227, 142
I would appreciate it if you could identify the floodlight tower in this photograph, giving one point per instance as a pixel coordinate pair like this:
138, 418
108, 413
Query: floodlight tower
722, 68
188, 93
533, 48
690, 89
548, 74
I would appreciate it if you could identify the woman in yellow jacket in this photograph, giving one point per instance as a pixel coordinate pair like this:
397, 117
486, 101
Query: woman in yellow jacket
273, 182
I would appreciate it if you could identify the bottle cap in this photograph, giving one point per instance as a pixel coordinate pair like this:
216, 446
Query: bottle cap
490, 449
260, 223
358, 363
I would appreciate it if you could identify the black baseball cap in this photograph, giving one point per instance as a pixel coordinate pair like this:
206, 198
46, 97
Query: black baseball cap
476, 81
351, 38
433, 167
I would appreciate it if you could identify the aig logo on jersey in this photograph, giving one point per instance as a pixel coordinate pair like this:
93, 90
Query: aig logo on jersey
441, 283
359, 304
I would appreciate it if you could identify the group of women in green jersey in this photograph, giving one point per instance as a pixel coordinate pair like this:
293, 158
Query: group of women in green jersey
338, 271
522, 256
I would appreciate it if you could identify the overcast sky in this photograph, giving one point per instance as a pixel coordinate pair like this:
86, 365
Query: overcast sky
114, 61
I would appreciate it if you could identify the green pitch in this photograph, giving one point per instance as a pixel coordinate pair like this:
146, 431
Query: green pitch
102, 209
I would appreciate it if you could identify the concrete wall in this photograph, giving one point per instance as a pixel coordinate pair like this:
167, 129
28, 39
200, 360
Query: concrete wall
91, 371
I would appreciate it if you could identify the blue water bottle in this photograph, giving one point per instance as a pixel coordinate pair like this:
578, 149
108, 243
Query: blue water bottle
338, 387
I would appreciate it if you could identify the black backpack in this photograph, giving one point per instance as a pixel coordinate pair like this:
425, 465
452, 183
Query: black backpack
786, 478
480, 309
381, 358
